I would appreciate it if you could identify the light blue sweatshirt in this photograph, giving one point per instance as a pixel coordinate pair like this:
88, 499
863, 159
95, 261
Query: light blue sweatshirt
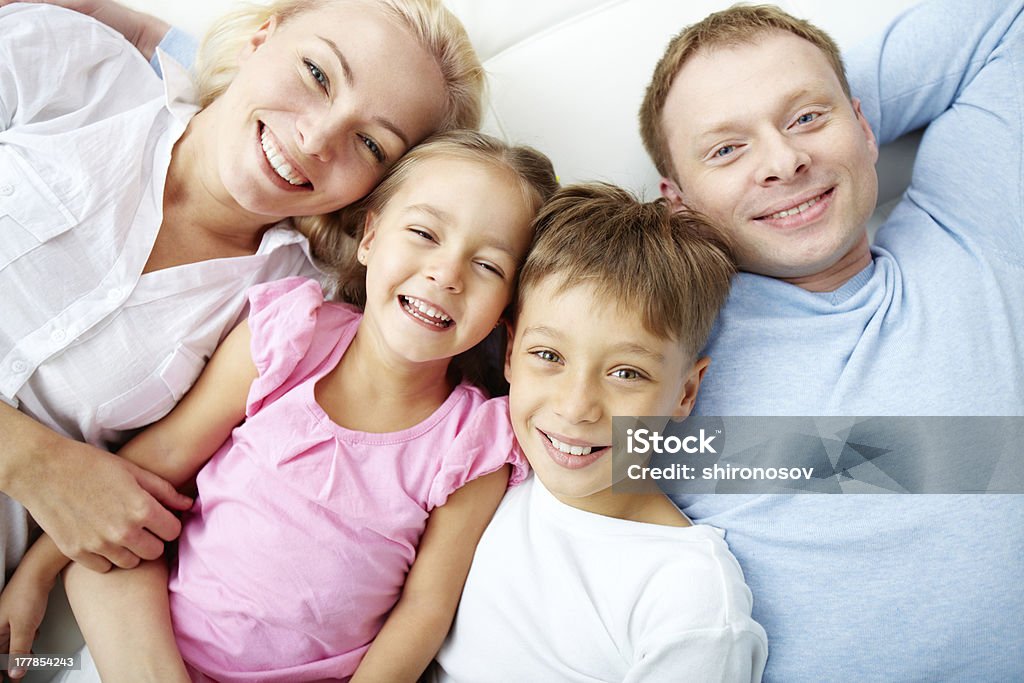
914, 587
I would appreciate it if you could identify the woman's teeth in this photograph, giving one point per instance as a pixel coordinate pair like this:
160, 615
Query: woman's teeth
796, 209
280, 166
566, 448
425, 312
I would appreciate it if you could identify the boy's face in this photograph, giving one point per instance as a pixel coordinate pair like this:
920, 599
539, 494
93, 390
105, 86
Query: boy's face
766, 144
573, 363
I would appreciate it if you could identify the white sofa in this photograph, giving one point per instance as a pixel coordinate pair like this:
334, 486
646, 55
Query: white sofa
567, 76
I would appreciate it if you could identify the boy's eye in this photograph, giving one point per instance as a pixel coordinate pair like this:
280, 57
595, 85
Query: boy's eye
627, 373
318, 75
374, 148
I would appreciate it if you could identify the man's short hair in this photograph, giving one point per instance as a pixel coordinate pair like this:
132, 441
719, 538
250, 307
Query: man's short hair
738, 25
672, 269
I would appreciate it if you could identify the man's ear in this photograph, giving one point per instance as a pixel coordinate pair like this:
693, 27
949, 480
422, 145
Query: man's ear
670, 191
865, 126
510, 334
691, 386
369, 234
257, 39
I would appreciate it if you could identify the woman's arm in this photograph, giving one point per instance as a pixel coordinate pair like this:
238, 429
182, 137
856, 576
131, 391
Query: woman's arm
144, 31
98, 508
418, 624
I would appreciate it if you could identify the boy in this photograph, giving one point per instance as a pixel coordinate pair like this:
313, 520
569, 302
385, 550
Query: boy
573, 581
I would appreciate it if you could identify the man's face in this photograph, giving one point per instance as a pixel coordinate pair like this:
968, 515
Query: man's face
766, 144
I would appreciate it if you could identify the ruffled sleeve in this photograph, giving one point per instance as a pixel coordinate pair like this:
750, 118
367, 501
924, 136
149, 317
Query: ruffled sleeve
282, 320
483, 445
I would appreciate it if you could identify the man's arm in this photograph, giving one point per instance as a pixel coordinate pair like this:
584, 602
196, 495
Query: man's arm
925, 60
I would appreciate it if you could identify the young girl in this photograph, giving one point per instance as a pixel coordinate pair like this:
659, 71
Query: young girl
363, 463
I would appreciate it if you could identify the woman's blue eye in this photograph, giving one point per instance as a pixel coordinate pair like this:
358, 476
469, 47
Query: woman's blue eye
318, 75
374, 148
725, 150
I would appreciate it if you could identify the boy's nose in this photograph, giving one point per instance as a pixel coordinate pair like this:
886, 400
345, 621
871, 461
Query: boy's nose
578, 401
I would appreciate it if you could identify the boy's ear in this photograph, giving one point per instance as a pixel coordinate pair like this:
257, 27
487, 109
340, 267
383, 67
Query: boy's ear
689, 396
510, 334
257, 39
369, 233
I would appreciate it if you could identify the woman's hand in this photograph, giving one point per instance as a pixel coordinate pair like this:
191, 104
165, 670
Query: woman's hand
98, 508
144, 31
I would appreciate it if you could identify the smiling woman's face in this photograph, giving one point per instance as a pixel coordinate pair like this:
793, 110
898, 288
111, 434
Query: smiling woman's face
322, 104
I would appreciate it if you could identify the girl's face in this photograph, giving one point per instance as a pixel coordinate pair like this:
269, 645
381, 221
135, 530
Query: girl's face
321, 106
441, 257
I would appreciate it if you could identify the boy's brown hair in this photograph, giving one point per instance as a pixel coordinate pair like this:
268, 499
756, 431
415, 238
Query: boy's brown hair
738, 25
673, 269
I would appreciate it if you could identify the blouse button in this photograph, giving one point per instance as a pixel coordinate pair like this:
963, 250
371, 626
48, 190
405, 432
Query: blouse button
19, 366
58, 335
6, 190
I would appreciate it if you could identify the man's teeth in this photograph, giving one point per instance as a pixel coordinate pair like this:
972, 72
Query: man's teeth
796, 209
566, 448
425, 312
281, 167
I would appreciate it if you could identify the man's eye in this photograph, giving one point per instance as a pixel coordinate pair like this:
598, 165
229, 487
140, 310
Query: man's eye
318, 75
725, 150
807, 118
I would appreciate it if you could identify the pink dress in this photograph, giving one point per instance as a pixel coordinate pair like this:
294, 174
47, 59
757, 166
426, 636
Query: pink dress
303, 531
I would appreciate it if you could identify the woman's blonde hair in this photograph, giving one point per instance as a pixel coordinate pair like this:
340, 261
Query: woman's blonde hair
436, 29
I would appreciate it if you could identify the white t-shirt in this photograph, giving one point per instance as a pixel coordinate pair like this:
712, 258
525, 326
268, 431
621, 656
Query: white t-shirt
89, 346
559, 594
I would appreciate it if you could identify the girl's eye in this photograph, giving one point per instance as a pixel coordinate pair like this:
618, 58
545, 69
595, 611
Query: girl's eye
374, 148
725, 150
491, 268
545, 355
318, 75
422, 233
804, 119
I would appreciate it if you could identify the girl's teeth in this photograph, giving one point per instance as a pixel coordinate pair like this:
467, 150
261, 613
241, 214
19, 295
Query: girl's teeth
426, 312
566, 448
280, 166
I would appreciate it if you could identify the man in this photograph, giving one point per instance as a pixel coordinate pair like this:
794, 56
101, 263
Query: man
749, 120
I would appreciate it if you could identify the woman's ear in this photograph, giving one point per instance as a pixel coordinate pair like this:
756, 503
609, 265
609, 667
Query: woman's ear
257, 39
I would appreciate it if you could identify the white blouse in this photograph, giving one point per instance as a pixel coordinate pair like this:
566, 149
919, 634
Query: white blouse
89, 345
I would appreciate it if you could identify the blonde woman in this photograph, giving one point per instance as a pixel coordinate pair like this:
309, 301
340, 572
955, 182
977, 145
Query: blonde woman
134, 214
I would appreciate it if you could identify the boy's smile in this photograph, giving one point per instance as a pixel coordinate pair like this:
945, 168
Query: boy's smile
573, 363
